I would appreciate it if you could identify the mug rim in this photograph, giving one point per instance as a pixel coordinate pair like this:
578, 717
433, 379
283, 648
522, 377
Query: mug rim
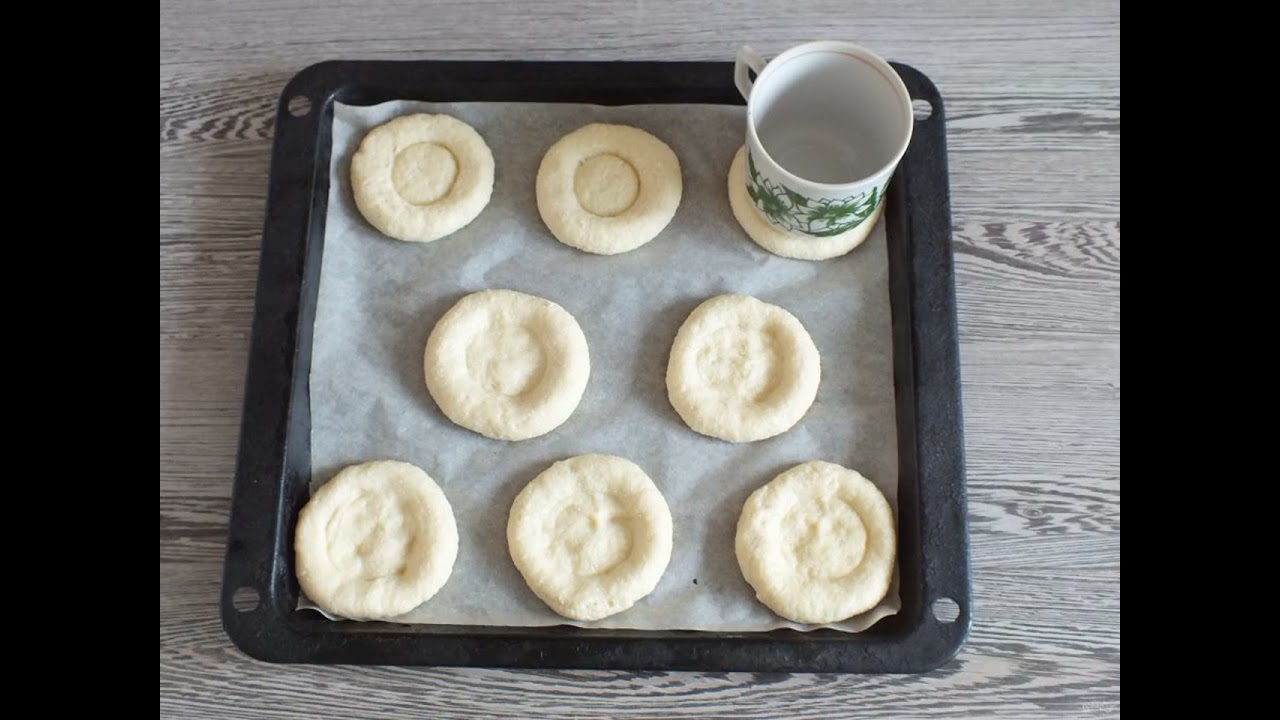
861, 54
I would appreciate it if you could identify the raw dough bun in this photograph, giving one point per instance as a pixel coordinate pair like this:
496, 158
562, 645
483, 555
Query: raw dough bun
781, 243
742, 370
376, 541
607, 189
817, 543
507, 365
591, 535
421, 177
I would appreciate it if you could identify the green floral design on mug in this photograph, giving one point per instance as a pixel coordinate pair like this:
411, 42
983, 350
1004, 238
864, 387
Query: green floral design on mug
796, 213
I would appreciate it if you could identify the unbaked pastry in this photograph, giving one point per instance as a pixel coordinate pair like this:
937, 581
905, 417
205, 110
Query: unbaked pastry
376, 541
421, 177
817, 543
508, 365
607, 189
742, 370
591, 535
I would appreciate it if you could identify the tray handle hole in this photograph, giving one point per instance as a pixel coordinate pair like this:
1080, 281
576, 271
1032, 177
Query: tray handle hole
299, 105
921, 109
946, 610
245, 599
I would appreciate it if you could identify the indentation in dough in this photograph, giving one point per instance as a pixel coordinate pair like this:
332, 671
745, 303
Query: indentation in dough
424, 172
829, 541
595, 537
506, 358
369, 535
740, 360
606, 185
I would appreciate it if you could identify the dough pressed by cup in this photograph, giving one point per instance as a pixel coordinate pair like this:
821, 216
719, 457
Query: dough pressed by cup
507, 365
376, 541
779, 242
742, 370
591, 535
607, 189
817, 543
421, 177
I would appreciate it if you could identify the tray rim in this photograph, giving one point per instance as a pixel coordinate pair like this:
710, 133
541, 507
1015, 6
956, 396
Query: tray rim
280, 345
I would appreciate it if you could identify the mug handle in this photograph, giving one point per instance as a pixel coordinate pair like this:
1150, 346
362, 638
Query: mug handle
746, 60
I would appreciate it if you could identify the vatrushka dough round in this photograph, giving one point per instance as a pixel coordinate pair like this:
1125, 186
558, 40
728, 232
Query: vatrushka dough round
591, 535
817, 543
376, 541
781, 243
421, 177
742, 369
507, 365
607, 189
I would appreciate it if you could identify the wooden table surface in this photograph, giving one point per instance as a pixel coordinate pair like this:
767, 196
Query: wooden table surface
1033, 102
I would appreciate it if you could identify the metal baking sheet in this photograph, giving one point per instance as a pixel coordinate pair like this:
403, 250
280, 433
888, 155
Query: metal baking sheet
275, 461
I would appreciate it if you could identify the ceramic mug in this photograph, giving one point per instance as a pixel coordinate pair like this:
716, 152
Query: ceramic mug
827, 123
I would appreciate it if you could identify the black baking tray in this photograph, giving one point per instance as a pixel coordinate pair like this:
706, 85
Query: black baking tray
273, 470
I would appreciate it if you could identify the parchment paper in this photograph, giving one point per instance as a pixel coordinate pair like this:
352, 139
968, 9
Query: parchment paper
379, 299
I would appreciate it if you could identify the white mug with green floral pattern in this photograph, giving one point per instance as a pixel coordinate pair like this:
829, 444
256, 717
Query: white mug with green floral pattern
827, 123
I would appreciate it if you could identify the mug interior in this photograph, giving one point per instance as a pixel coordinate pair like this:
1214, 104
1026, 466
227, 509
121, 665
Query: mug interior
828, 116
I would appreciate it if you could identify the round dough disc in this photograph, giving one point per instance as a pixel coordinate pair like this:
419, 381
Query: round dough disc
742, 370
817, 543
421, 177
607, 189
591, 535
507, 365
376, 541
781, 243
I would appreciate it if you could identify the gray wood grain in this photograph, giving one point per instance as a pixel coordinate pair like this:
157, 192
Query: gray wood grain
1033, 102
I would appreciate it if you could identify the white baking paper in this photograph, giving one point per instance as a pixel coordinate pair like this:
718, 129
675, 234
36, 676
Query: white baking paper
379, 299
